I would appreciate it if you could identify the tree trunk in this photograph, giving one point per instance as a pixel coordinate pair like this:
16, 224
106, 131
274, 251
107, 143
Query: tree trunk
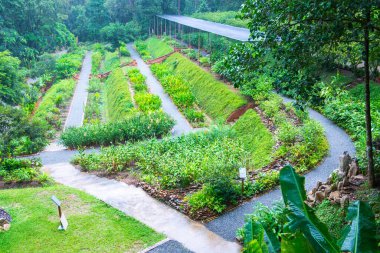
371, 167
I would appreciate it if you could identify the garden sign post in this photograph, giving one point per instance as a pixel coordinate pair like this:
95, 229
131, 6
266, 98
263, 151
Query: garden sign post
63, 220
242, 176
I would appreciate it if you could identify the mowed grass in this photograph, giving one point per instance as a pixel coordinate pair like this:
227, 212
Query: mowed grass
93, 225
256, 138
157, 47
215, 97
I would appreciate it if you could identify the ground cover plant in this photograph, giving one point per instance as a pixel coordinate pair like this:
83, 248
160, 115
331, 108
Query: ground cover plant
93, 113
213, 96
181, 94
118, 97
152, 48
145, 101
55, 100
111, 61
35, 222
136, 127
224, 17
21, 172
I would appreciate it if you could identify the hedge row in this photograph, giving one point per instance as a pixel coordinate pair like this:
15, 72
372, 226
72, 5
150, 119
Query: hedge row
135, 128
118, 98
215, 97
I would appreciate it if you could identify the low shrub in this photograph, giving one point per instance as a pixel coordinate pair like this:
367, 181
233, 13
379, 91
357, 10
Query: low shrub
147, 102
14, 170
55, 99
131, 129
96, 61
213, 96
124, 51
118, 98
111, 62
68, 65
93, 110
256, 138
153, 48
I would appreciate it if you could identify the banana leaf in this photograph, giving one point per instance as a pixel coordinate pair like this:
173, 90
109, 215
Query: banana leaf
302, 218
296, 242
359, 236
258, 236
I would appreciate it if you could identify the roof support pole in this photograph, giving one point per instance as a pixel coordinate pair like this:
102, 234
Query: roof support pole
199, 46
161, 26
166, 32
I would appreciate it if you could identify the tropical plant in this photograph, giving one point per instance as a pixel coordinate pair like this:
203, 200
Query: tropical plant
305, 230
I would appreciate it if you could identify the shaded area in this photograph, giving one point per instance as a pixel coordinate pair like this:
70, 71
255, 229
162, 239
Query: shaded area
232, 32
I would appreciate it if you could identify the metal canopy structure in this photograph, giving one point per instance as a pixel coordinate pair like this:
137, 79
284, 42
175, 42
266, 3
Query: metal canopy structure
231, 32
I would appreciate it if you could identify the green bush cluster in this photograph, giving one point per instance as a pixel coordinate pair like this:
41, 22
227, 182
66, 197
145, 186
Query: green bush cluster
131, 129
153, 48
118, 98
145, 101
214, 97
123, 50
96, 61
224, 17
68, 65
55, 99
14, 170
180, 92
93, 110
111, 62
20, 135
256, 138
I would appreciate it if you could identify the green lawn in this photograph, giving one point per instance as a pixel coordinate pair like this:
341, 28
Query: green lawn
157, 47
217, 99
93, 225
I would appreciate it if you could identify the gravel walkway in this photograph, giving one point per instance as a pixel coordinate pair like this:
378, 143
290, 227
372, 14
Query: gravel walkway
182, 125
227, 224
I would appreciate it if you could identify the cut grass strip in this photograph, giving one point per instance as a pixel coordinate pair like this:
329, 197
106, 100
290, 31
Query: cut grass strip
93, 225
256, 138
118, 97
213, 96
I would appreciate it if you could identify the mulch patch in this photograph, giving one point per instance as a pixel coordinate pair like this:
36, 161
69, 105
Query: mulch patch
13, 185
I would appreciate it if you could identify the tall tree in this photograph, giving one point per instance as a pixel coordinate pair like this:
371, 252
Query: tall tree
295, 32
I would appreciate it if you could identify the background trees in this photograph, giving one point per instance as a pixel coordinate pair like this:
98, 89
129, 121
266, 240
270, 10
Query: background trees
302, 36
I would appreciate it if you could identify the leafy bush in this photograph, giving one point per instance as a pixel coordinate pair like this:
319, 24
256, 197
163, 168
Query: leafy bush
22, 170
20, 135
147, 102
180, 92
256, 138
118, 98
153, 48
93, 110
55, 99
123, 50
111, 62
131, 129
68, 65
96, 61
216, 98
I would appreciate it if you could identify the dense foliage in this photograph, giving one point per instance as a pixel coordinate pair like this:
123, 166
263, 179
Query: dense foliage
129, 129
153, 48
295, 226
205, 88
22, 171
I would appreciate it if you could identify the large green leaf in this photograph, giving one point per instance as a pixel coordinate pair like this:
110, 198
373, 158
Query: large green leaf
301, 216
360, 235
296, 242
271, 240
254, 237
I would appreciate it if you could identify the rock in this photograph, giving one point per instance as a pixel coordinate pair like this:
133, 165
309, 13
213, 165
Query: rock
319, 183
334, 187
310, 198
319, 196
327, 190
329, 180
344, 163
345, 182
344, 201
340, 186
358, 177
334, 195
354, 168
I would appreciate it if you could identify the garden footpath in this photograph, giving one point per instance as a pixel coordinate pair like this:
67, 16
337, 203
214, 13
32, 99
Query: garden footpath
182, 126
227, 224
216, 236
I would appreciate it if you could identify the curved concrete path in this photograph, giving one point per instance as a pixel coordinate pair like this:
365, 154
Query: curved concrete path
182, 126
227, 224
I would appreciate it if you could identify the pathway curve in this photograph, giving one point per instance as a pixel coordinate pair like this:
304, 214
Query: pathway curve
227, 224
182, 126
